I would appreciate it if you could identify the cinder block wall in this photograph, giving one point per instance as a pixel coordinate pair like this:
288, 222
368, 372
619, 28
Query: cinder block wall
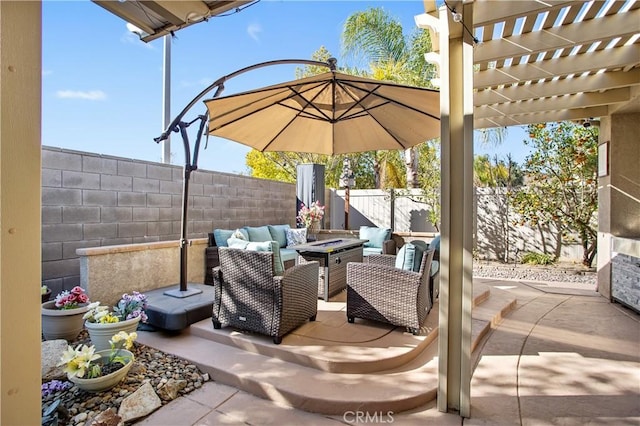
91, 200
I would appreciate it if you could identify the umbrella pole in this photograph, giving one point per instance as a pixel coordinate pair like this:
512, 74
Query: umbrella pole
183, 291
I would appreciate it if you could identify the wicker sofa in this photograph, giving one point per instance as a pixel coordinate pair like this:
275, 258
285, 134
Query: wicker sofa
250, 297
218, 238
377, 290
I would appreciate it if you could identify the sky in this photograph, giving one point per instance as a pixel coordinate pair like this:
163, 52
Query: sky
102, 87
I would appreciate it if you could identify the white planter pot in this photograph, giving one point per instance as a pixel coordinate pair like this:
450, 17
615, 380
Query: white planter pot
61, 323
100, 334
103, 383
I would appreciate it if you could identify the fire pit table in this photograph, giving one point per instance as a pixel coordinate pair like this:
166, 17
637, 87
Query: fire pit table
333, 256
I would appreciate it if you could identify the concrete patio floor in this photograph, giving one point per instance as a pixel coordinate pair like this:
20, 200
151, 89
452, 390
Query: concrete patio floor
564, 355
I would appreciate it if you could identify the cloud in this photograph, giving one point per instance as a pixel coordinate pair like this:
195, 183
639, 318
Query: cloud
91, 95
46, 72
253, 30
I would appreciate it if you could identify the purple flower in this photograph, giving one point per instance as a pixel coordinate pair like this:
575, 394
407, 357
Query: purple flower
54, 386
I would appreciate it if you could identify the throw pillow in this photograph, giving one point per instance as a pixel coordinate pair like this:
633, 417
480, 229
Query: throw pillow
258, 233
279, 233
435, 244
296, 236
406, 257
240, 234
272, 246
221, 236
237, 243
421, 249
375, 235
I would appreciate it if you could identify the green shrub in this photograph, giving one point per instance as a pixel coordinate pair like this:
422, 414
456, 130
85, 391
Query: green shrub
532, 258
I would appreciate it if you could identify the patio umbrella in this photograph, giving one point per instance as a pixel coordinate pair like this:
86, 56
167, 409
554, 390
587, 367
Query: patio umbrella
330, 113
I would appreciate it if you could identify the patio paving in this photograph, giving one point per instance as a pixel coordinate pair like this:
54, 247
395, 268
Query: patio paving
556, 359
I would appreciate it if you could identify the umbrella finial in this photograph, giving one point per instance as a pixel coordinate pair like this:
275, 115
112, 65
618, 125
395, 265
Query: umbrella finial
332, 63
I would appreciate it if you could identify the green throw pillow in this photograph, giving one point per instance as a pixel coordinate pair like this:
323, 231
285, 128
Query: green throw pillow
376, 236
258, 234
421, 249
406, 257
272, 246
279, 233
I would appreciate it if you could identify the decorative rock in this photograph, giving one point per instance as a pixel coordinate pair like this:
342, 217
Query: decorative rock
170, 390
51, 352
80, 418
142, 402
106, 418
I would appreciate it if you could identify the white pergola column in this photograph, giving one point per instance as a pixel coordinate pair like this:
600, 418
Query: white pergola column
456, 292
20, 227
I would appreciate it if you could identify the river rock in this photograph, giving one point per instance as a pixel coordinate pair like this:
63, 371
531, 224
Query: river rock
141, 403
170, 390
51, 352
106, 418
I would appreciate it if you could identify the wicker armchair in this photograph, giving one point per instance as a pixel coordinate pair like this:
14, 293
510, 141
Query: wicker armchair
379, 291
248, 296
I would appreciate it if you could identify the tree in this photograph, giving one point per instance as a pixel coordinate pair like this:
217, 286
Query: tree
495, 172
561, 182
375, 39
281, 166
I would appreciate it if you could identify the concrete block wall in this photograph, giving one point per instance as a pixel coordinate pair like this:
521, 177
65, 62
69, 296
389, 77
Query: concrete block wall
92, 200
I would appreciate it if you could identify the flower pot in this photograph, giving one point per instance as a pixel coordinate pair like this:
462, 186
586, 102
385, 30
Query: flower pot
108, 381
61, 323
100, 334
46, 296
312, 231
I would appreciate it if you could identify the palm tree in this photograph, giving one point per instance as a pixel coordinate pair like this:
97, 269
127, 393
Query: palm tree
375, 40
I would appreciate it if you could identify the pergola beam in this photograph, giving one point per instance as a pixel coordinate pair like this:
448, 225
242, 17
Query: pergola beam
540, 117
608, 58
593, 82
555, 103
566, 36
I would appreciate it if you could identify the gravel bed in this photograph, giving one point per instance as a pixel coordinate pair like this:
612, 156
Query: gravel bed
556, 273
150, 365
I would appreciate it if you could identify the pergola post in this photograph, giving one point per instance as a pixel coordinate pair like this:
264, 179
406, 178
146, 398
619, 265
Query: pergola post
20, 211
456, 293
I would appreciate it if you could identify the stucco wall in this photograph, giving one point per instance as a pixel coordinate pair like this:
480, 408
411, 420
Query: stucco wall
92, 200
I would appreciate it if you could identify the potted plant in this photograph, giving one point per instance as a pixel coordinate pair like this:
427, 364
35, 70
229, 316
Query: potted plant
62, 317
96, 371
45, 292
310, 217
101, 323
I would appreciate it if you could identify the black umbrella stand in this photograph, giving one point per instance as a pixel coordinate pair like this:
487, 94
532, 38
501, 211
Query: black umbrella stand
191, 162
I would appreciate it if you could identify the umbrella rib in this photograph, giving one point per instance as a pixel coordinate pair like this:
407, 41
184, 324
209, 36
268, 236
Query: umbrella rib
280, 102
388, 101
346, 83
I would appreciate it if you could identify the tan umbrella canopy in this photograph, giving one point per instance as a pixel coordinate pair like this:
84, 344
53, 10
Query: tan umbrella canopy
331, 113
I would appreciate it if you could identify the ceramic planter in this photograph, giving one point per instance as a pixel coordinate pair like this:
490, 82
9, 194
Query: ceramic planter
100, 334
108, 381
46, 296
61, 323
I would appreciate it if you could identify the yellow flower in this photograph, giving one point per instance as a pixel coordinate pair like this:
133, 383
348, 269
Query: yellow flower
78, 360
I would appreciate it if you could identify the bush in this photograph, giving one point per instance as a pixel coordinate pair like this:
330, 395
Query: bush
532, 258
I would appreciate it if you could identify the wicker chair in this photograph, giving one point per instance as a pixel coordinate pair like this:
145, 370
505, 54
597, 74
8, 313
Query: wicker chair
379, 291
248, 296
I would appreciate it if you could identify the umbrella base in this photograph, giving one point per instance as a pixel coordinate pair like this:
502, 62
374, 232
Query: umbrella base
181, 294
174, 313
